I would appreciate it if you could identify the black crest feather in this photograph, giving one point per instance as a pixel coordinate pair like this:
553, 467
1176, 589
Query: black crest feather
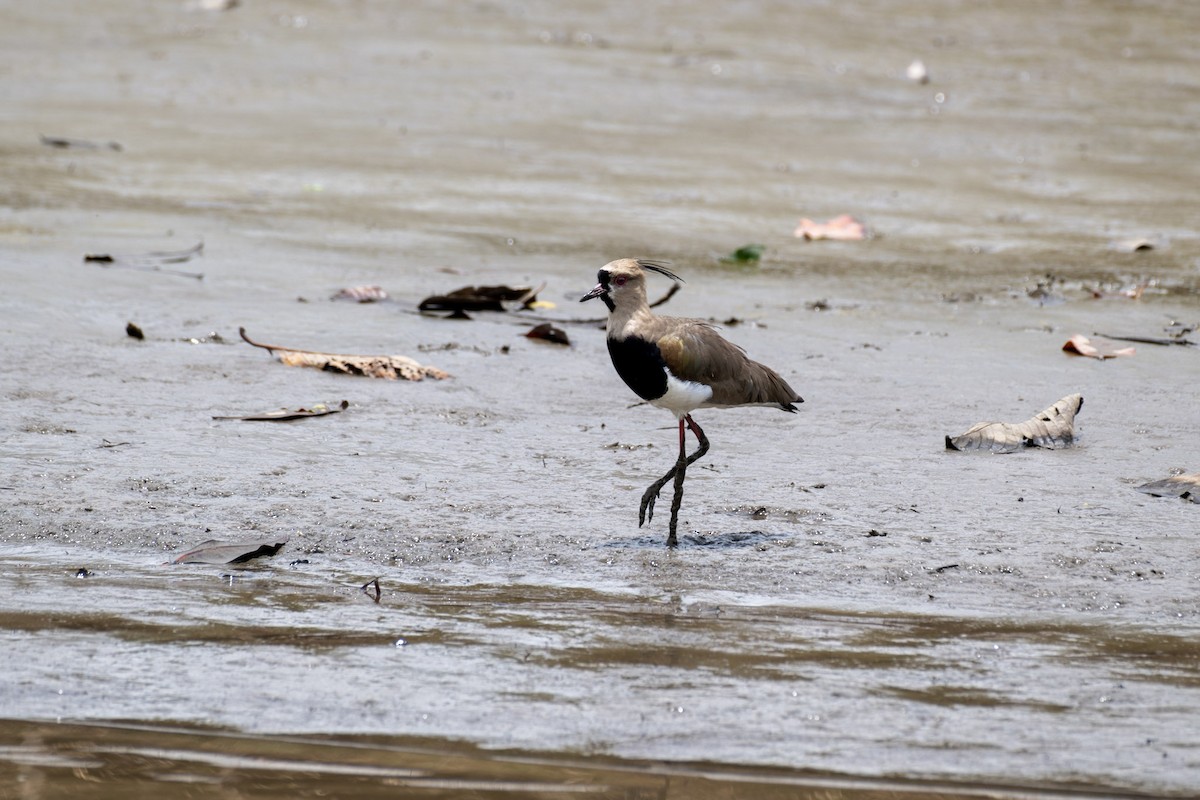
660, 268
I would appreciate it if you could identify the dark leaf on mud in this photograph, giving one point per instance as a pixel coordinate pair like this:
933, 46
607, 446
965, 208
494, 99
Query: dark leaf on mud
362, 294
482, 298
133, 331
1185, 486
1095, 348
288, 414
217, 552
548, 333
1051, 429
387, 367
746, 254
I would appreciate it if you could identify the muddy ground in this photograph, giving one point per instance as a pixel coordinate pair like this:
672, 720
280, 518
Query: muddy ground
853, 611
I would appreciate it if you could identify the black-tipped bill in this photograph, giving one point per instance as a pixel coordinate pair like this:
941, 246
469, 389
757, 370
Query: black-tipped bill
599, 291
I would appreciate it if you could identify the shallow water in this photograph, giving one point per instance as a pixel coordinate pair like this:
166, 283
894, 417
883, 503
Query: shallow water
850, 602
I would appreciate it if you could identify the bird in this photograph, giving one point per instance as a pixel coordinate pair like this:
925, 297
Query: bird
680, 365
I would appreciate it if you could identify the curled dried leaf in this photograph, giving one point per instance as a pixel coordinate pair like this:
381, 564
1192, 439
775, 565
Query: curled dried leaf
288, 414
1185, 486
387, 367
362, 294
482, 298
843, 227
1095, 348
549, 333
1051, 429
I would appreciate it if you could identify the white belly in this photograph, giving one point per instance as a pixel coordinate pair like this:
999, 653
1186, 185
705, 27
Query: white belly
682, 397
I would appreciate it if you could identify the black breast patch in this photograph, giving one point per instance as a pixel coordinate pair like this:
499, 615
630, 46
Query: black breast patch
640, 365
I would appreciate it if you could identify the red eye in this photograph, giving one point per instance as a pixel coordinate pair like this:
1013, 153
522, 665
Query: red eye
620, 280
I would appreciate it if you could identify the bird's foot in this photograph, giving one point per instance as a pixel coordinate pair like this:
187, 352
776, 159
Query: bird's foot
646, 512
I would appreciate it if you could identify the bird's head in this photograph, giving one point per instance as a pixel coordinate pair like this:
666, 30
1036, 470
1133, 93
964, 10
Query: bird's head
623, 281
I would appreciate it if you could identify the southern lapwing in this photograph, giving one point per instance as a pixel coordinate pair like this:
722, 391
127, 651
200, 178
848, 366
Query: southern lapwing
678, 364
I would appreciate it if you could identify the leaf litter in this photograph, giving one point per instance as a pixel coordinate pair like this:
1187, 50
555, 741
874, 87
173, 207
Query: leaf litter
1051, 429
370, 366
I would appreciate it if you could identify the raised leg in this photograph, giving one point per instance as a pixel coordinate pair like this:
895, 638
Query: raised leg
677, 472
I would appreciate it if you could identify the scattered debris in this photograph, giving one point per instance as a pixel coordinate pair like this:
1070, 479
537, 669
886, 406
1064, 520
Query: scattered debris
482, 298
917, 72
84, 572
549, 333
287, 415
1083, 346
1051, 429
844, 227
371, 589
134, 332
211, 338
217, 552
874, 532
386, 367
1185, 486
150, 262
105, 443
63, 142
362, 294
945, 567
746, 254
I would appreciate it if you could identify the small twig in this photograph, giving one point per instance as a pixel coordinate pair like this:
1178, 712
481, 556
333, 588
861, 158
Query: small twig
150, 262
63, 142
1146, 339
368, 586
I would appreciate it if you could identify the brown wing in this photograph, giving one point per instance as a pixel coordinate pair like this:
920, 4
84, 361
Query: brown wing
694, 351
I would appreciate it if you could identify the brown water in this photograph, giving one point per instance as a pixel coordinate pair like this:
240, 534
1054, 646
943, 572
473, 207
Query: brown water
853, 611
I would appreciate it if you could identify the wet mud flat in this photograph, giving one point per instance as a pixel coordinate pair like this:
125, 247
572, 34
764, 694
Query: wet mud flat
853, 610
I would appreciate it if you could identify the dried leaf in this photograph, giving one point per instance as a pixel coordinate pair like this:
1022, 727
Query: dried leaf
287, 415
1083, 346
1052, 429
549, 333
844, 227
386, 367
217, 552
362, 294
133, 331
1185, 486
482, 298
